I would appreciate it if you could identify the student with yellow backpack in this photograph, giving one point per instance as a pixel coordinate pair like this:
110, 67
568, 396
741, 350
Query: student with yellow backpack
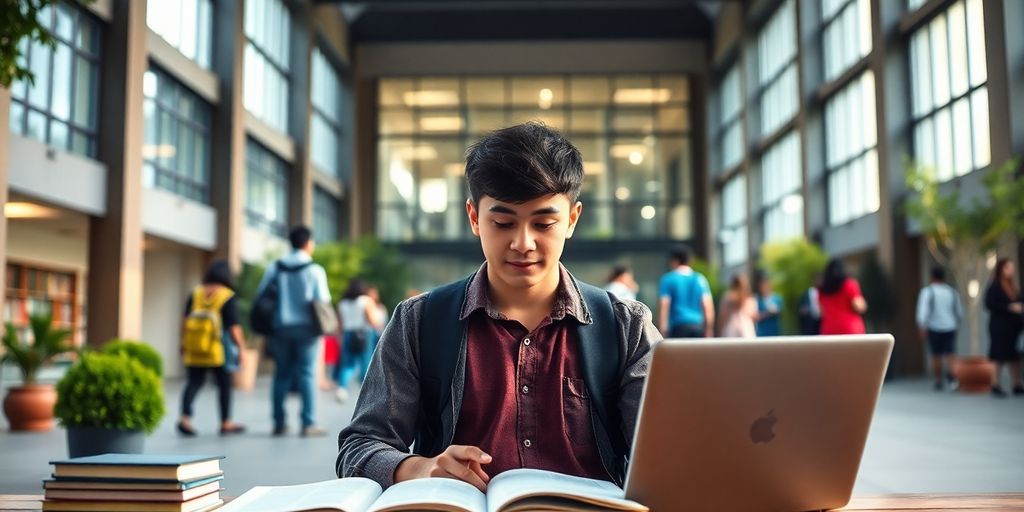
211, 342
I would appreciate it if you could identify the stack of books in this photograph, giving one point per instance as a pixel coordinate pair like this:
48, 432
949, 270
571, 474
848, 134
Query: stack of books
116, 482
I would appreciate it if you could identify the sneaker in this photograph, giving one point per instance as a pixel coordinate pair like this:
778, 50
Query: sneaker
280, 430
234, 428
341, 395
313, 431
186, 430
953, 385
998, 392
1018, 390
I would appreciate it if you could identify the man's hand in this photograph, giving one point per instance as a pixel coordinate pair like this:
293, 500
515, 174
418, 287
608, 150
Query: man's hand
1015, 307
457, 461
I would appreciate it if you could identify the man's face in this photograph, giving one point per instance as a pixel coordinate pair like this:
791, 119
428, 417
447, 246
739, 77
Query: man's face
523, 242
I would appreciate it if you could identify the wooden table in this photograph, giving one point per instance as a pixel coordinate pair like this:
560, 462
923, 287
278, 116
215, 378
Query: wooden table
891, 502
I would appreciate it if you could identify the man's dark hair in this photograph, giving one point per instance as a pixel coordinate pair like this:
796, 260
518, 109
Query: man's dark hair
681, 254
938, 273
299, 236
523, 162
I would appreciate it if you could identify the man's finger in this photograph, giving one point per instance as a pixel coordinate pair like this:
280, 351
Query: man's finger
463, 452
479, 470
459, 471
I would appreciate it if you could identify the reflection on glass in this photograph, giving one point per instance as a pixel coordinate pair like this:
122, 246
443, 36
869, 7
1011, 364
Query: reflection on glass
485, 91
590, 90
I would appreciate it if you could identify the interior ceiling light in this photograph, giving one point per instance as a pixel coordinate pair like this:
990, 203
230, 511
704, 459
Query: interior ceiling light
642, 96
25, 210
441, 124
430, 98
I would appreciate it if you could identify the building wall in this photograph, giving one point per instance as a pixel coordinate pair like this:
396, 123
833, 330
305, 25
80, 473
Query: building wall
170, 275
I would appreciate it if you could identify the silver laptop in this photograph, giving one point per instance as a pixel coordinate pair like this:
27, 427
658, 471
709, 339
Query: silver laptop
755, 424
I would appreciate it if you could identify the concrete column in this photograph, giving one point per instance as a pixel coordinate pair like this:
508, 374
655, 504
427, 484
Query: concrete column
115, 241
300, 108
365, 138
5, 155
227, 177
998, 83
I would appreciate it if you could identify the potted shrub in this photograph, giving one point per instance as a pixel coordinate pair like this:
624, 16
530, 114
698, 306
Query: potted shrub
963, 236
138, 350
30, 405
108, 403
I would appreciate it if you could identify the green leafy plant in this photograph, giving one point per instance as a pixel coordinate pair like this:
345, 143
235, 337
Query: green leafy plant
792, 265
710, 272
964, 235
112, 391
368, 259
21, 19
246, 284
137, 350
878, 291
30, 356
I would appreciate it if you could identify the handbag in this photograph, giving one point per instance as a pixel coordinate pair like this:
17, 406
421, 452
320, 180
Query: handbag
324, 317
357, 343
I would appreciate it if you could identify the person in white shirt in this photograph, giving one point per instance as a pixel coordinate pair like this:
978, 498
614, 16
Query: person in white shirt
360, 322
939, 311
621, 283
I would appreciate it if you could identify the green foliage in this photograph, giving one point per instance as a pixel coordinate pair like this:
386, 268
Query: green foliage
946, 220
111, 391
20, 19
47, 343
138, 350
792, 265
709, 271
246, 284
367, 258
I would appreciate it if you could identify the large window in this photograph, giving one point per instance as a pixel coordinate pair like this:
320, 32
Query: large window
730, 125
633, 132
950, 97
59, 108
185, 25
781, 199
176, 152
777, 69
32, 290
851, 159
733, 235
266, 197
326, 121
325, 216
847, 34
268, 34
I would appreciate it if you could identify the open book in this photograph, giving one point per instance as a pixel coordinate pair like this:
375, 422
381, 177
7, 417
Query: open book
511, 491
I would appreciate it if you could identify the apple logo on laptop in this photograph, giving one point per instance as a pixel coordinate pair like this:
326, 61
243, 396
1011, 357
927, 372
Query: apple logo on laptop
761, 429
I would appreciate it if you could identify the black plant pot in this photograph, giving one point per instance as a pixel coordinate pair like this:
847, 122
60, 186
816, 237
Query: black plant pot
85, 441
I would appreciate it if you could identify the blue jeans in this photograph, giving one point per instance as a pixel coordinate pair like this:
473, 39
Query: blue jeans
352, 361
294, 355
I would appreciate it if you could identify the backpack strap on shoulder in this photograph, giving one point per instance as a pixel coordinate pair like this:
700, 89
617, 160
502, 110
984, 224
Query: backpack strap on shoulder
440, 340
599, 348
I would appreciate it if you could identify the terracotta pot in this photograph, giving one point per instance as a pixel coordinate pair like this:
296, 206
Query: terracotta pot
30, 407
974, 374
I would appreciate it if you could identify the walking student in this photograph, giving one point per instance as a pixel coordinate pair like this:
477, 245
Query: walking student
939, 312
294, 335
360, 322
685, 307
212, 342
520, 365
1003, 300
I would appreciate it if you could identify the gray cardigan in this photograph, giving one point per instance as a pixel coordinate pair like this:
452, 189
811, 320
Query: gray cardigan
384, 422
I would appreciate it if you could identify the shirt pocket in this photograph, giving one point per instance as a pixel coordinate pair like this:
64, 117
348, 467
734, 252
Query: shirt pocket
576, 412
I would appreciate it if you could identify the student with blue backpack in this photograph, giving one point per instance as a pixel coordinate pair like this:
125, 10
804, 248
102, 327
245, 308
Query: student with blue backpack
520, 365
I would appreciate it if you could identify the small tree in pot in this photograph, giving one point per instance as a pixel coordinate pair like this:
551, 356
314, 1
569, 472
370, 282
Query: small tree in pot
964, 237
108, 403
30, 405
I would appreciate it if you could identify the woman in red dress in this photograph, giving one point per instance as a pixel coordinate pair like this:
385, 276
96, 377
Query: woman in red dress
842, 303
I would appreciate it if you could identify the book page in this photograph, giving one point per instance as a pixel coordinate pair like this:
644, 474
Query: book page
510, 487
343, 494
435, 494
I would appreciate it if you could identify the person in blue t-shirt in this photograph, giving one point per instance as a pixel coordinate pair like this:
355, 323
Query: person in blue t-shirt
769, 308
685, 307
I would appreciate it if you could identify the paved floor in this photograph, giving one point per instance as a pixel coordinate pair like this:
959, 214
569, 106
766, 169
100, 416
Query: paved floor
920, 441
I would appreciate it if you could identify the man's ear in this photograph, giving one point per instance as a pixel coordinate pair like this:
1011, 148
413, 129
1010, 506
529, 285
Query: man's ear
474, 217
574, 217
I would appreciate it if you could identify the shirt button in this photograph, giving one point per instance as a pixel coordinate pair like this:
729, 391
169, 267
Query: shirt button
526, 443
526, 342
526, 389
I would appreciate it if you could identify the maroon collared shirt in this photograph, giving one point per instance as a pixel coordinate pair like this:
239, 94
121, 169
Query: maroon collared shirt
525, 401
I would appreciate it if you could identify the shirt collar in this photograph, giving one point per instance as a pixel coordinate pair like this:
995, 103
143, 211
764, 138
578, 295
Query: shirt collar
568, 299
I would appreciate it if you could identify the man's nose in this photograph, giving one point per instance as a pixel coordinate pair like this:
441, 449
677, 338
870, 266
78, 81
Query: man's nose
523, 241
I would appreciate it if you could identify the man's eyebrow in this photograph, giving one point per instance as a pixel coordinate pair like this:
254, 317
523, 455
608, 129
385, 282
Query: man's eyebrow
547, 210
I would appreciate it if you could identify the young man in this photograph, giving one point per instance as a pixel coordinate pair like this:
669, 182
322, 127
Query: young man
685, 308
295, 336
518, 395
938, 317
